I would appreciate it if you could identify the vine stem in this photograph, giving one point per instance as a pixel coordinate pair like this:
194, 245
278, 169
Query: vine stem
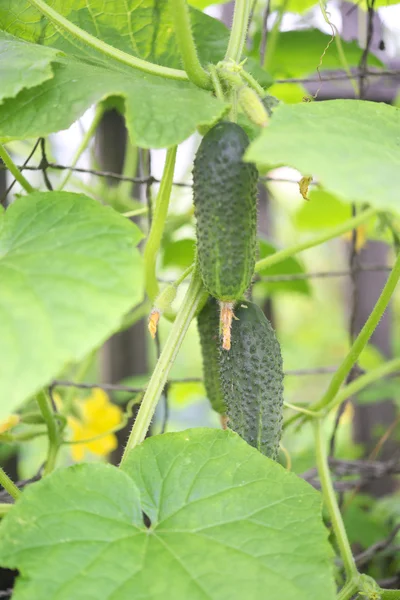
331, 503
240, 24
46, 409
362, 338
159, 376
361, 382
316, 241
187, 46
15, 172
273, 36
157, 226
122, 57
219, 92
348, 590
9, 485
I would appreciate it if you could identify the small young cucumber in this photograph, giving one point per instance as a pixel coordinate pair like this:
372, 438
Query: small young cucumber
225, 200
208, 325
252, 380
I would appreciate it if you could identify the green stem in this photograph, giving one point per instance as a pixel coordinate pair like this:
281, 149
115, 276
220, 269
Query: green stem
158, 379
234, 106
362, 338
331, 503
187, 46
183, 276
253, 83
348, 590
238, 34
93, 42
136, 213
157, 226
316, 241
219, 92
9, 485
84, 144
390, 594
361, 382
4, 509
52, 430
15, 172
301, 409
8, 438
273, 36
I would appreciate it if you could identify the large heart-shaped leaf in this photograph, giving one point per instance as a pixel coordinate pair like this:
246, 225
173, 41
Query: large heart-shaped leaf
69, 271
159, 112
350, 146
226, 524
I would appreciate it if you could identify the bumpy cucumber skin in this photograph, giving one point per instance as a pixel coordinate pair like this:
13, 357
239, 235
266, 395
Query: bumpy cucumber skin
225, 199
252, 380
208, 326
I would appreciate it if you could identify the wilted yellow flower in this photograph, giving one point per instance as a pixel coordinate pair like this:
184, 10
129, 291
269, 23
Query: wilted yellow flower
304, 185
98, 415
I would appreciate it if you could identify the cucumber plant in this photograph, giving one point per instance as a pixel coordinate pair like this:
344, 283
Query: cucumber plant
205, 512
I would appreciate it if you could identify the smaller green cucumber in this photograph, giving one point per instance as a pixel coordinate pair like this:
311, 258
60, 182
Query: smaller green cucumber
208, 326
252, 380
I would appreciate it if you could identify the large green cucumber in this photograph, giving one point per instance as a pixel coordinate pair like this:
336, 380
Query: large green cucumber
225, 199
252, 380
208, 325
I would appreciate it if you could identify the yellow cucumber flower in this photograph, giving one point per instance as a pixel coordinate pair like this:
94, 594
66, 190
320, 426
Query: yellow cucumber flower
98, 416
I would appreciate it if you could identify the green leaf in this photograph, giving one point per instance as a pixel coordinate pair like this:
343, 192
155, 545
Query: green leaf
298, 53
290, 93
202, 4
158, 112
180, 253
141, 29
364, 526
22, 65
296, 6
186, 392
289, 266
226, 523
69, 271
322, 210
379, 391
351, 148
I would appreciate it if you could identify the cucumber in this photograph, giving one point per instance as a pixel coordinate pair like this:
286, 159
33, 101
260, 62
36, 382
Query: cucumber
252, 380
208, 326
225, 200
